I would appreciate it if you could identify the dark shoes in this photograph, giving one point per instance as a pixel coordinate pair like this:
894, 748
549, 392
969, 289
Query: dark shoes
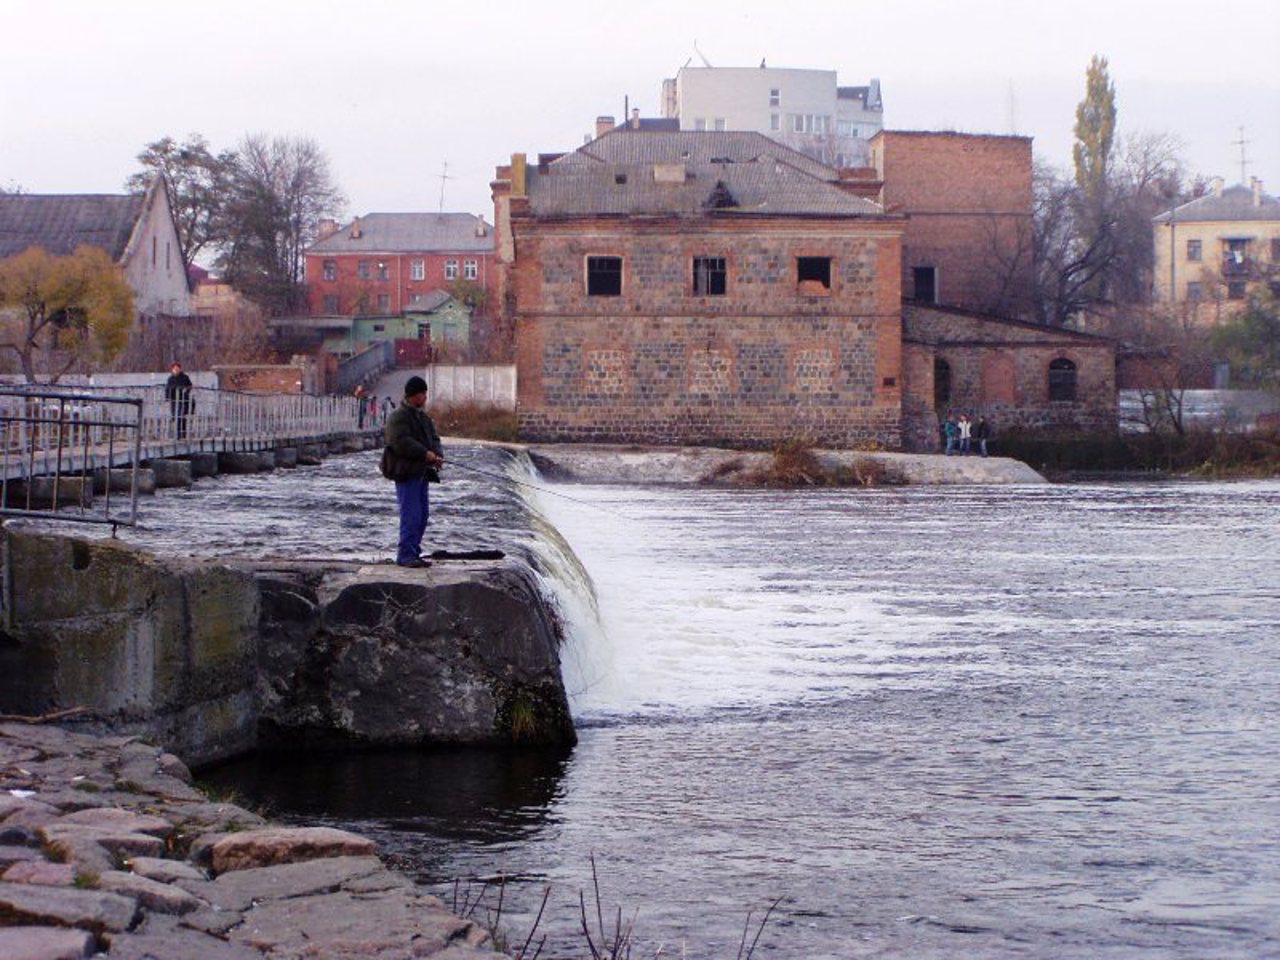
413, 563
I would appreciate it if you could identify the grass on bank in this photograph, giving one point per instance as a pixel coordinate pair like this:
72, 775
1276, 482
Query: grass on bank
1197, 453
475, 422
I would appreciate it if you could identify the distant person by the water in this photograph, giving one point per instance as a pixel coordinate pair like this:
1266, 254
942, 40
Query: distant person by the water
965, 429
982, 433
413, 454
949, 433
360, 406
388, 405
177, 390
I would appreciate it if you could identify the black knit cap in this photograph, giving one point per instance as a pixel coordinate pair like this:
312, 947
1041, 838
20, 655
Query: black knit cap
415, 385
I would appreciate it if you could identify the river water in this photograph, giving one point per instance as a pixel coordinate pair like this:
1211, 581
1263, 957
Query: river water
929, 722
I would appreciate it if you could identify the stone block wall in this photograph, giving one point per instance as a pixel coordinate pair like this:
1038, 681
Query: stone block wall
1000, 369
767, 361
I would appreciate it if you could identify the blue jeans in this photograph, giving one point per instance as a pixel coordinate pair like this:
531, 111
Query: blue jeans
951, 445
415, 508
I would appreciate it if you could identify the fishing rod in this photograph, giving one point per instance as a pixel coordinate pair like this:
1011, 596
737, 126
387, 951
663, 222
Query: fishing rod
532, 486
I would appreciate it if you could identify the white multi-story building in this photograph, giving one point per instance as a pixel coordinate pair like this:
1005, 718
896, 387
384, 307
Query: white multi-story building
805, 109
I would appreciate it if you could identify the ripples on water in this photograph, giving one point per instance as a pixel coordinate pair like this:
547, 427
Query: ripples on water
978, 722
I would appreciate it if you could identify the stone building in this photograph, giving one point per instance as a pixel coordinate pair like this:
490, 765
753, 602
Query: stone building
388, 263
701, 288
719, 288
136, 230
1213, 251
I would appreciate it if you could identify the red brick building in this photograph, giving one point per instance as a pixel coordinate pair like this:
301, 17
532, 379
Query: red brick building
968, 203
387, 263
701, 288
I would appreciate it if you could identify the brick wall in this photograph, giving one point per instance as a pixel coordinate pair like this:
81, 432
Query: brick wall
356, 295
968, 201
761, 364
1000, 369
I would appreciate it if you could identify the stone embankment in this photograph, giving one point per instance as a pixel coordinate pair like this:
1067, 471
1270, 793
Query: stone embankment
106, 849
587, 463
203, 657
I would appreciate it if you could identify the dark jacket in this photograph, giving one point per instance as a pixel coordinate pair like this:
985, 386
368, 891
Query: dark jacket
409, 434
177, 390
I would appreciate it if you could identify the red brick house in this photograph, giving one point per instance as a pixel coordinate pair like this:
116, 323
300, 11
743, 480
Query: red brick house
387, 263
717, 288
968, 203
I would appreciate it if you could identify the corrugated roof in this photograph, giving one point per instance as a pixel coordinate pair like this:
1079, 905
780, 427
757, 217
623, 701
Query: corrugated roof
640, 174
1236, 203
410, 233
62, 222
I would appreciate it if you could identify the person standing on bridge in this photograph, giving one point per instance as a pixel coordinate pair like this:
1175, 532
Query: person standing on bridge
177, 390
411, 458
361, 406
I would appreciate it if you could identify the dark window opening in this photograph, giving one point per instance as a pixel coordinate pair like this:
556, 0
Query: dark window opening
926, 283
331, 270
1236, 290
813, 270
604, 276
1194, 250
1275, 249
384, 271
941, 383
1062, 380
709, 277
362, 269
330, 303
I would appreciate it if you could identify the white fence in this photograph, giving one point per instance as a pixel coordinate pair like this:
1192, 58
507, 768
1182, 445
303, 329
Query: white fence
489, 385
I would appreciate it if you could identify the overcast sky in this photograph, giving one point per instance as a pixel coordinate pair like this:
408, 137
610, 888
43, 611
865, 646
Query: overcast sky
394, 89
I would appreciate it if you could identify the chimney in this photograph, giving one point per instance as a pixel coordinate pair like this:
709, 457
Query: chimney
326, 228
1215, 186
356, 230
635, 119
518, 175
482, 228
604, 124
1257, 192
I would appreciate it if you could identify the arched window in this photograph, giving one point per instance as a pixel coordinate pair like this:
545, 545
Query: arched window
941, 383
1062, 380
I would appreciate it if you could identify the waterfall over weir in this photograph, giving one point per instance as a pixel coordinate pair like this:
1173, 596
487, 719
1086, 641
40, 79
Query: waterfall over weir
967, 721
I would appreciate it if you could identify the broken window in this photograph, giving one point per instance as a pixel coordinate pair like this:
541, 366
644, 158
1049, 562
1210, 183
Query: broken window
604, 276
926, 283
813, 273
1062, 380
709, 277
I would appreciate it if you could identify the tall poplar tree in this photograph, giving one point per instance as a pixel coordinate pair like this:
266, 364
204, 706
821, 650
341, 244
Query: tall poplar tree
1095, 130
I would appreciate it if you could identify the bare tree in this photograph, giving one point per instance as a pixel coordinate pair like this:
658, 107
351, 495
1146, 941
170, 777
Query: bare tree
195, 180
279, 189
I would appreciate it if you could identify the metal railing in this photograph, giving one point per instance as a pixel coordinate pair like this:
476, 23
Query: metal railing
57, 446
57, 451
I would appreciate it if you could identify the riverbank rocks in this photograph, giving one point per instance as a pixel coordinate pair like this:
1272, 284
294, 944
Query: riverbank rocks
592, 463
207, 888
382, 655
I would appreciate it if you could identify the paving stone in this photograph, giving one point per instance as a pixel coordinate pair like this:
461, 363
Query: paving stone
164, 938
214, 920
165, 871
152, 894
16, 854
94, 910
339, 926
44, 943
31, 813
123, 821
71, 840
239, 889
172, 766
273, 845
42, 873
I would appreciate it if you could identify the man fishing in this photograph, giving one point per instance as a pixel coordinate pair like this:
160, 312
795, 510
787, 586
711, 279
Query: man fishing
413, 454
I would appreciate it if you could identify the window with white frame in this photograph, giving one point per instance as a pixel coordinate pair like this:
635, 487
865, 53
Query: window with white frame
470, 269
330, 270
451, 269
775, 97
417, 270
775, 122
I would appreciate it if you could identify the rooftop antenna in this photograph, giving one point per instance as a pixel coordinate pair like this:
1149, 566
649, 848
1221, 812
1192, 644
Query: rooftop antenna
444, 176
705, 61
1244, 160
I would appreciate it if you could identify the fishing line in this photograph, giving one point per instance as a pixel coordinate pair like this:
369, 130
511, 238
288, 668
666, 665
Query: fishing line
534, 486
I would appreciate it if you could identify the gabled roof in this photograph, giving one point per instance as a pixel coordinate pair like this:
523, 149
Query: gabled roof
62, 222
410, 233
430, 302
1235, 203
689, 173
